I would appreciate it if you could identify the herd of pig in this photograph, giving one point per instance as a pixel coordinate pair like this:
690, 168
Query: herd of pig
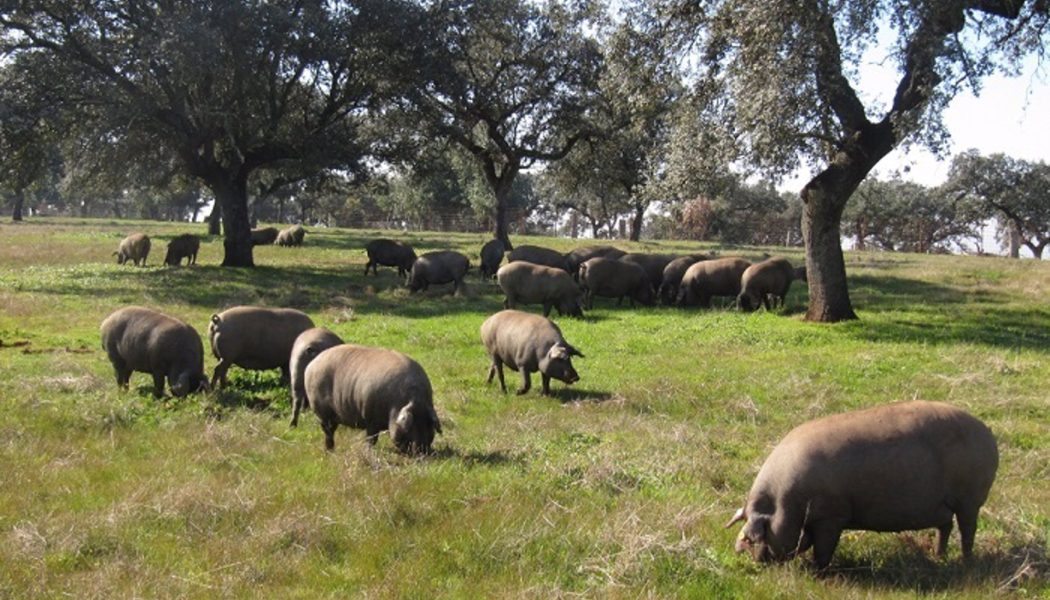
135, 248
894, 467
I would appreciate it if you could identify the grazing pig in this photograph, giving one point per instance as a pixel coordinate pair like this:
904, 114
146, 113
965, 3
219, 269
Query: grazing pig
389, 254
135, 247
264, 236
672, 276
707, 278
442, 266
256, 338
800, 274
184, 246
652, 264
575, 258
527, 343
538, 255
765, 283
292, 236
144, 340
491, 257
307, 346
611, 278
895, 467
374, 389
526, 283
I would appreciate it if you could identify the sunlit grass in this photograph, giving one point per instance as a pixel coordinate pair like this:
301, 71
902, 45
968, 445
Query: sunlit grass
617, 486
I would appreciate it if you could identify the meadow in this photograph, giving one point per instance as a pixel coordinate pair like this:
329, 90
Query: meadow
617, 486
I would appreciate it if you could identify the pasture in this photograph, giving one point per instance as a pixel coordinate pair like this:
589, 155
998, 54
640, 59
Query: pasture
615, 487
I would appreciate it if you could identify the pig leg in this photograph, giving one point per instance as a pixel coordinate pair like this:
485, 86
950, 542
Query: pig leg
943, 533
494, 368
547, 309
220, 374
372, 435
368, 265
123, 377
967, 519
825, 535
158, 385
546, 384
329, 434
526, 382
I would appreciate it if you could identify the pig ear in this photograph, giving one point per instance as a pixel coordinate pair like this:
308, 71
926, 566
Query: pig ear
404, 417
739, 516
574, 351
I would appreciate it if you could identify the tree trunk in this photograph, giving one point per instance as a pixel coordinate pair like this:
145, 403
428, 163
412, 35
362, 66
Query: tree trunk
215, 219
1037, 248
825, 267
500, 230
1013, 236
232, 196
636, 223
16, 212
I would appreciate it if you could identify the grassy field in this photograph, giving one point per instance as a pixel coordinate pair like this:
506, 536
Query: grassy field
616, 487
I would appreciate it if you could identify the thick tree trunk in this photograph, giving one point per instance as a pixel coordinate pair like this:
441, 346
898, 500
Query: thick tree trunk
637, 222
16, 211
825, 266
232, 196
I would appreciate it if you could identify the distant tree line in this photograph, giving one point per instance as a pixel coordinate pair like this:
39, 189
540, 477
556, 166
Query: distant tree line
508, 115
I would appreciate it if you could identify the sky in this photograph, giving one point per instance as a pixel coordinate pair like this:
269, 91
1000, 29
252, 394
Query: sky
1011, 115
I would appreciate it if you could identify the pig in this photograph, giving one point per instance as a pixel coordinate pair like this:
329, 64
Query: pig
895, 467
538, 255
442, 266
389, 254
652, 264
527, 343
144, 340
765, 283
135, 247
491, 257
374, 389
707, 278
184, 246
292, 236
264, 236
526, 283
672, 276
307, 346
577, 257
611, 278
256, 338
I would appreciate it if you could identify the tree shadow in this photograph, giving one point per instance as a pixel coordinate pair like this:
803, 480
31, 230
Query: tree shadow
941, 314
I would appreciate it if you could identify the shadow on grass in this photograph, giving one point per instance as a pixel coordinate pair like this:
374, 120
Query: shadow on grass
1014, 568
567, 395
474, 458
919, 311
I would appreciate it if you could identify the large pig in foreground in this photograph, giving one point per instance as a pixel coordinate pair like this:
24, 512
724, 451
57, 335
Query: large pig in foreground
307, 346
256, 338
526, 283
895, 467
527, 343
144, 340
374, 389
389, 253
766, 283
135, 247
442, 266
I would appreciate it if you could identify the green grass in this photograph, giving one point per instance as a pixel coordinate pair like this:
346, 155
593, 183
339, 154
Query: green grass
617, 486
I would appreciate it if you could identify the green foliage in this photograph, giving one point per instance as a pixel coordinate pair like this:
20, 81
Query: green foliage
617, 486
